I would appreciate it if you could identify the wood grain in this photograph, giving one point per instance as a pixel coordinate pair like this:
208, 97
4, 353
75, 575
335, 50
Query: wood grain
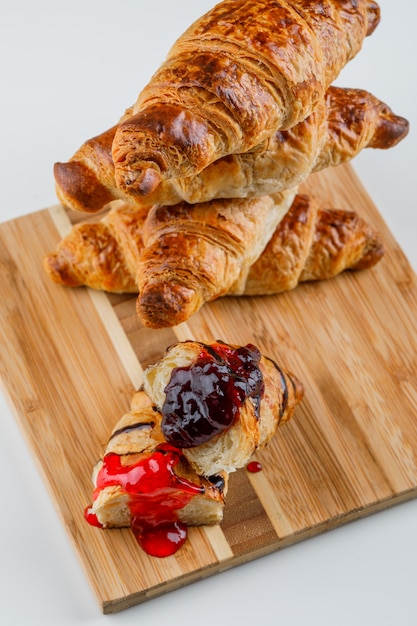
71, 358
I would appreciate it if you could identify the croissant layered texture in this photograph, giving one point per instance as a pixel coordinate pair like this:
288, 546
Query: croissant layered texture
117, 254
240, 73
343, 123
200, 174
311, 243
194, 253
206, 245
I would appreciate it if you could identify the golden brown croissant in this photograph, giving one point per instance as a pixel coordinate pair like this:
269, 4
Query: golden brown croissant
308, 244
341, 125
217, 238
240, 73
195, 253
146, 484
181, 269
311, 243
220, 403
103, 255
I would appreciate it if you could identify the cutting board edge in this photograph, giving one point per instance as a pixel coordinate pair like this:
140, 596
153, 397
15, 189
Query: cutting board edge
110, 607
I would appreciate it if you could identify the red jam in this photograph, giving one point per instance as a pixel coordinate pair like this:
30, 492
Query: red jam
163, 540
204, 399
92, 518
155, 492
254, 467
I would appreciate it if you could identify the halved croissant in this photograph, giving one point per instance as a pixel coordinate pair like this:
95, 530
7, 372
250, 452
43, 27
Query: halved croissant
341, 125
220, 403
144, 483
308, 244
166, 464
240, 73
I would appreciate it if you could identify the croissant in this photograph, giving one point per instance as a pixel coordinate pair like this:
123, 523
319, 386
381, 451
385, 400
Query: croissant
146, 484
240, 73
341, 125
217, 239
308, 244
219, 402
195, 253
166, 464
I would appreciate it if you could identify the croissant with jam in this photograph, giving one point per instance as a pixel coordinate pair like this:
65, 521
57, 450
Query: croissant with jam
117, 255
341, 125
240, 73
219, 402
203, 412
144, 483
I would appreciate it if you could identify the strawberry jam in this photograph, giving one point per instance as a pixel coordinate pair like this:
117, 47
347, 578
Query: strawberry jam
155, 494
205, 398
254, 467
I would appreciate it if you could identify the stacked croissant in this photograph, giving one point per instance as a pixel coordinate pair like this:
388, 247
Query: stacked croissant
198, 182
200, 177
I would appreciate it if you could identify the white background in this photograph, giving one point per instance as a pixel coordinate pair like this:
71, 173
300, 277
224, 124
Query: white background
68, 71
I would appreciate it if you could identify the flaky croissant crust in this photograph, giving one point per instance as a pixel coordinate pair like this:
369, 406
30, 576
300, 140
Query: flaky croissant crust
240, 73
136, 436
309, 243
341, 125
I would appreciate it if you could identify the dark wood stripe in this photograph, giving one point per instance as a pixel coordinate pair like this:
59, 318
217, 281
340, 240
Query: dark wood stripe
245, 524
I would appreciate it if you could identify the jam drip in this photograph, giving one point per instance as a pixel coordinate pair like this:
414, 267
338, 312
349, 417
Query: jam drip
155, 493
254, 467
205, 398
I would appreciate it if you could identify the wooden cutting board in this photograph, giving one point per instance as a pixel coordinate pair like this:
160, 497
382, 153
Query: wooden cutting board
71, 358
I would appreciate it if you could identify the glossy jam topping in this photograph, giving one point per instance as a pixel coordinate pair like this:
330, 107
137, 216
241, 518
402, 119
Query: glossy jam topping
162, 540
92, 518
155, 493
205, 398
254, 467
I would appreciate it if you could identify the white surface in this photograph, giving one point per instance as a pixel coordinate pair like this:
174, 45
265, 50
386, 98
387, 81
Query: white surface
68, 71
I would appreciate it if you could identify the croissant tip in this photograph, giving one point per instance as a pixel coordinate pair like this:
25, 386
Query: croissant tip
59, 270
79, 188
140, 182
148, 181
374, 17
373, 253
390, 131
162, 305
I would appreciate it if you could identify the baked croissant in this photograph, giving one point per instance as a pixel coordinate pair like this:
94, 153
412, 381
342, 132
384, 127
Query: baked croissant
341, 125
146, 484
194, 253
185, 264
166, 464
308, 244
218, 238
219, 402
240, 73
